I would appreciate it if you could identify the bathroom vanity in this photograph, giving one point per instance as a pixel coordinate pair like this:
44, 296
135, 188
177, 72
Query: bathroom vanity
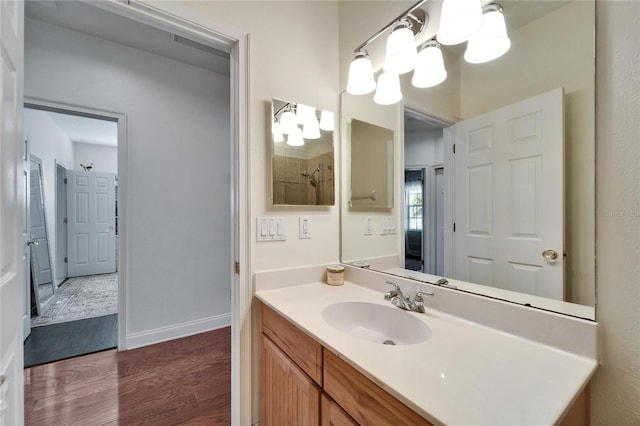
315, 371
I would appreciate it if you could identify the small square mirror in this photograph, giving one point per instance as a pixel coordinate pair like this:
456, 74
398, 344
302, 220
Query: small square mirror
302, 155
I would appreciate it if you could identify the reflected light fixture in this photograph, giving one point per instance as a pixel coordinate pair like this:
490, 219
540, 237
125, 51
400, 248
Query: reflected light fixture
288, 121
304, 113
277, 132
388, 90
491, 41
326, 121
430, 69
361, 79
295, 137
311, 129
459, 20
401, 53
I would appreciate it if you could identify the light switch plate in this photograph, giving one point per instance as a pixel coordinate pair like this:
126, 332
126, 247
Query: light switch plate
368, 226
388, 225
271, 229
305, 227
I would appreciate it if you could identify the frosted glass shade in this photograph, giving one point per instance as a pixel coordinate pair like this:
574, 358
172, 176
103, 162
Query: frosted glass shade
326, 121
430, 70
459, 19
295, 137
277, 132
288, 122
311, 130
401, 53
388, 91
361, 79
305, 113
490, 42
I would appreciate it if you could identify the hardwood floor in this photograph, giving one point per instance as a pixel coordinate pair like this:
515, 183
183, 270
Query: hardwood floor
185, 381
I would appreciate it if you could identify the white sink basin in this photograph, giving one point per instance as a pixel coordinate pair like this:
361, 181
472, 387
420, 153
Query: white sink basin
377, 323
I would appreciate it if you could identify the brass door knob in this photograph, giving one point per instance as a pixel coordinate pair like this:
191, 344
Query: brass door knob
550, 255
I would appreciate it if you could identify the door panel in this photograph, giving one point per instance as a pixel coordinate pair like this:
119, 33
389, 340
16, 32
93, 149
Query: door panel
91, 223
509, 197
13, 225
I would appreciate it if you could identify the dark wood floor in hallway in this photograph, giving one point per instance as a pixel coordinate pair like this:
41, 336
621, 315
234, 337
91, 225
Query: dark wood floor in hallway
184, 381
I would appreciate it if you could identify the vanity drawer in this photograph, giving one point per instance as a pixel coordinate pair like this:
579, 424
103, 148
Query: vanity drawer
302, 349
366, 402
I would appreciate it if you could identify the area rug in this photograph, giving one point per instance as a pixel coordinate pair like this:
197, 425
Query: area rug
80, 298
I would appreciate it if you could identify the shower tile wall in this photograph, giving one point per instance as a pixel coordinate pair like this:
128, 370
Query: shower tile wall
291, 187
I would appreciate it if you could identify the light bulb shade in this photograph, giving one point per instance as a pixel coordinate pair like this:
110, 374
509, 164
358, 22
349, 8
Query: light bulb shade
361, 79
305, 113
459, 19
295, 137
388, 91
278, 137
288, 122
275, 127
326, 121
490, 42
430, 70
311, 129
401, 53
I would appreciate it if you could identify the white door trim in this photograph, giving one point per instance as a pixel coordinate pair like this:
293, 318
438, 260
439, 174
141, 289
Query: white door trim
123, 204
235, 41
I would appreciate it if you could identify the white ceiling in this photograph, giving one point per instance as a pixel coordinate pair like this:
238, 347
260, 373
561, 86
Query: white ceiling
86, 130
91, 20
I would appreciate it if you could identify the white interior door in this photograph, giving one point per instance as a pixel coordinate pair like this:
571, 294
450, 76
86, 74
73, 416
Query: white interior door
509, 197
12, 219
91, 223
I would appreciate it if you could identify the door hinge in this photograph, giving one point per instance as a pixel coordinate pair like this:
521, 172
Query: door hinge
65, 181
454, 148
236, 267
66, 220
454, 227
66, 260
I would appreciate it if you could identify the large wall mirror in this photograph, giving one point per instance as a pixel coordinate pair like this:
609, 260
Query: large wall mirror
41, 270
302, 161
510, 214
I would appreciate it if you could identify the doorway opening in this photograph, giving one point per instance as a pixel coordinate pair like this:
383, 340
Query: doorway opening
73, 226
424, 187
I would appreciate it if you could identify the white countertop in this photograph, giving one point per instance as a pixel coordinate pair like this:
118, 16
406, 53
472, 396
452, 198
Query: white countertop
465, 374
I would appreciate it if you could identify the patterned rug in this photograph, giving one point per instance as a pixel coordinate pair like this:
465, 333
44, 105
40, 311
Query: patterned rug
79, 298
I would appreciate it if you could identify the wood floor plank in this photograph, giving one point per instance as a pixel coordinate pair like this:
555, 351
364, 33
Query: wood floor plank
185, 381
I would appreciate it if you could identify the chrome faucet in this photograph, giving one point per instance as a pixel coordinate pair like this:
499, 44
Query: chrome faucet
401, 301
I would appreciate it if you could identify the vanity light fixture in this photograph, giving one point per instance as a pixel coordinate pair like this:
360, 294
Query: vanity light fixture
295, 137
388, 90
430, 70
361, 79
288, 121
277, 132
326, 121
491, 40
311, 129
401, 53
459, 19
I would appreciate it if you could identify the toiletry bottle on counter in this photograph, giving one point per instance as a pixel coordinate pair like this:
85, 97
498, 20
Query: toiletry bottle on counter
335, 275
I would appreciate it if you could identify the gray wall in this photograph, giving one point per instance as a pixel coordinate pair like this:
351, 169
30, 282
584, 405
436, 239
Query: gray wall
178, 174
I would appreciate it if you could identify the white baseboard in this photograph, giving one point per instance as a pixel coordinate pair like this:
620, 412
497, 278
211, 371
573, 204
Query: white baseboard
163, 334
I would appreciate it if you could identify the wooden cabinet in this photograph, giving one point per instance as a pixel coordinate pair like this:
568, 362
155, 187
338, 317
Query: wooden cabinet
293, 372
289, 396
332, 415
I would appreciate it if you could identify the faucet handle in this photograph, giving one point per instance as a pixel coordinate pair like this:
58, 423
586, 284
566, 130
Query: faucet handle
393, 293
419, 295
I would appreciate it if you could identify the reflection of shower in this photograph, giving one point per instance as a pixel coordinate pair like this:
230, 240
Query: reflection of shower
316, 181
311, 176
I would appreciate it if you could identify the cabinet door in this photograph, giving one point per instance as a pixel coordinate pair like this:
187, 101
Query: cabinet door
332, 415
289, 396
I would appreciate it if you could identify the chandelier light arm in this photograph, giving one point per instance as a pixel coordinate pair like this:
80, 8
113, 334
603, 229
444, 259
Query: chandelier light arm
407, 14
